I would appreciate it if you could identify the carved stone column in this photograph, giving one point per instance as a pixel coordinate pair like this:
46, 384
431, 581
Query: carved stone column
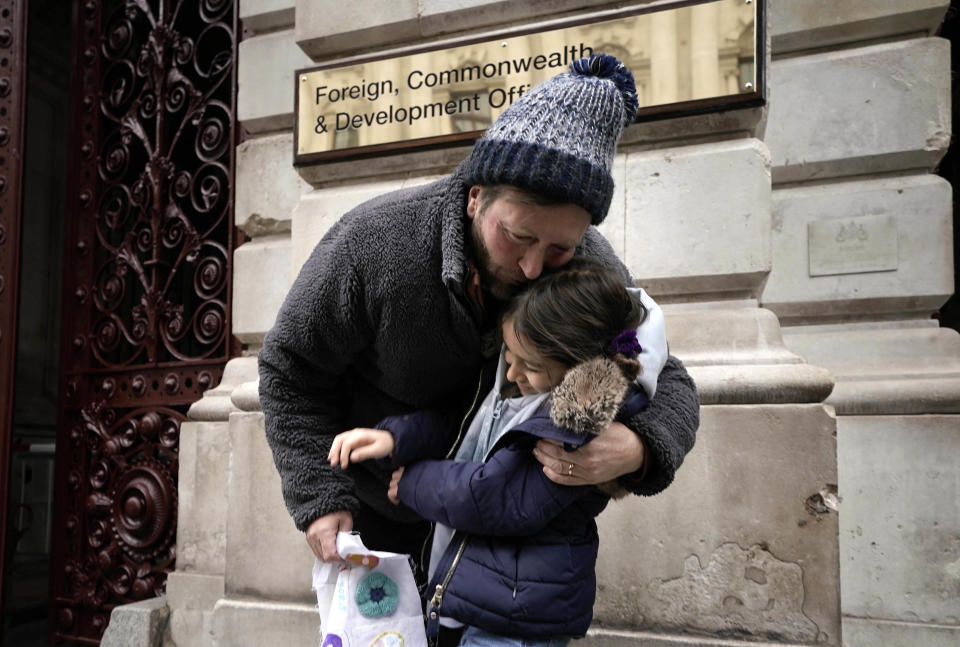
204, 485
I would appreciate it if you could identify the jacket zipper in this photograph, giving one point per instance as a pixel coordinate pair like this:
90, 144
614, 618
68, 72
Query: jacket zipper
437, 600
450, 454
466, 417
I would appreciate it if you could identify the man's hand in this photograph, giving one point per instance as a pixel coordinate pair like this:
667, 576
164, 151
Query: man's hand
613, 453
393, 493
359, 445
322, 534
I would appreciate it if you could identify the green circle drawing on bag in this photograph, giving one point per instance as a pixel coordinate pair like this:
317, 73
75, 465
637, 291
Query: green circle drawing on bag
377, 596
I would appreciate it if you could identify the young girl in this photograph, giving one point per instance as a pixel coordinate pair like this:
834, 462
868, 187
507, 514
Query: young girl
513, 552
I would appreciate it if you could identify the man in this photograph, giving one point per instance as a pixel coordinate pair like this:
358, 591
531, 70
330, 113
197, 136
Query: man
397, 307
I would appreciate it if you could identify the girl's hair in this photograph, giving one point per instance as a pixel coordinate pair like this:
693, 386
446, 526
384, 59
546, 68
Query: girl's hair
571, 315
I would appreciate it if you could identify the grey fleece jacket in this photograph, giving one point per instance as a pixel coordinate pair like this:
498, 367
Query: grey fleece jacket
378, 323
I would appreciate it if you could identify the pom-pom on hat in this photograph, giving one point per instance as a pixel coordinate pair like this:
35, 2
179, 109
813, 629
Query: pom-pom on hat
559, 138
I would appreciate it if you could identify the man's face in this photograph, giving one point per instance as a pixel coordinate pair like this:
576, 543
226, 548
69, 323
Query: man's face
514, 241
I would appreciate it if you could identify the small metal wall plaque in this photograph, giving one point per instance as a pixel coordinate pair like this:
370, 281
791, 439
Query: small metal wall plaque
686, 57
853, 245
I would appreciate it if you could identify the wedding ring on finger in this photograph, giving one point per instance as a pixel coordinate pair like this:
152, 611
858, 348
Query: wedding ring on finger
569, 469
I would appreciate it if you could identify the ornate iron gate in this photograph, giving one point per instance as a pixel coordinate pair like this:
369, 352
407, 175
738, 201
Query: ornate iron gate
146, 301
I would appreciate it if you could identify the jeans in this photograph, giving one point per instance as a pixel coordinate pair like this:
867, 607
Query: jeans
473, 637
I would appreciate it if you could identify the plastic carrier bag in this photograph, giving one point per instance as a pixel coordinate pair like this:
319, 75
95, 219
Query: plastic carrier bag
370, 601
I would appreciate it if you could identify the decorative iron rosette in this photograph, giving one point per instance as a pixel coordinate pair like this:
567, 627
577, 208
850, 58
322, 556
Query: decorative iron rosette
144, 509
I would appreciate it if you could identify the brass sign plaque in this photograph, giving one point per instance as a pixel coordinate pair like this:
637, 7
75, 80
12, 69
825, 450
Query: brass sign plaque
693, 58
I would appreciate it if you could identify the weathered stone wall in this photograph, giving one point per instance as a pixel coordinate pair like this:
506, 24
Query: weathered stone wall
859, 115
711, 215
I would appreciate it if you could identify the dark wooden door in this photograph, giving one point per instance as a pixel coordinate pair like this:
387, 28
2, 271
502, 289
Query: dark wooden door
146, 303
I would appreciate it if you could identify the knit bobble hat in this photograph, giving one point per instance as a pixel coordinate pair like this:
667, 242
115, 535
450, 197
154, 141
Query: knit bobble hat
559, 138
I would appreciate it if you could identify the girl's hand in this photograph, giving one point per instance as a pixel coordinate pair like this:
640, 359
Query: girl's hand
359, 445
393, 493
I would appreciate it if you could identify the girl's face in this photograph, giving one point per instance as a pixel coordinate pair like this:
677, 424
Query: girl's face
531, 372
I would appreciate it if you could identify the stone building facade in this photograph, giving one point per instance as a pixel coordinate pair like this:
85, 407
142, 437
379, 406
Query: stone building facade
826, 385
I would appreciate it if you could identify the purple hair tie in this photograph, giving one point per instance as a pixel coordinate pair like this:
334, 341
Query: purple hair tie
625, 343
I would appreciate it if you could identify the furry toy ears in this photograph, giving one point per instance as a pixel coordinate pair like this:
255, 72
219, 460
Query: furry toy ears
589, 396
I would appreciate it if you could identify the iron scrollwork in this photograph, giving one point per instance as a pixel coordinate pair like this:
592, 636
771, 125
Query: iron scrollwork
165, 166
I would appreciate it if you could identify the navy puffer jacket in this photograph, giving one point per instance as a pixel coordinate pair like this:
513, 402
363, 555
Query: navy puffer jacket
522, 560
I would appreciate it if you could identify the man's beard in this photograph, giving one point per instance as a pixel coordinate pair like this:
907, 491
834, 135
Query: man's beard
481, 258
